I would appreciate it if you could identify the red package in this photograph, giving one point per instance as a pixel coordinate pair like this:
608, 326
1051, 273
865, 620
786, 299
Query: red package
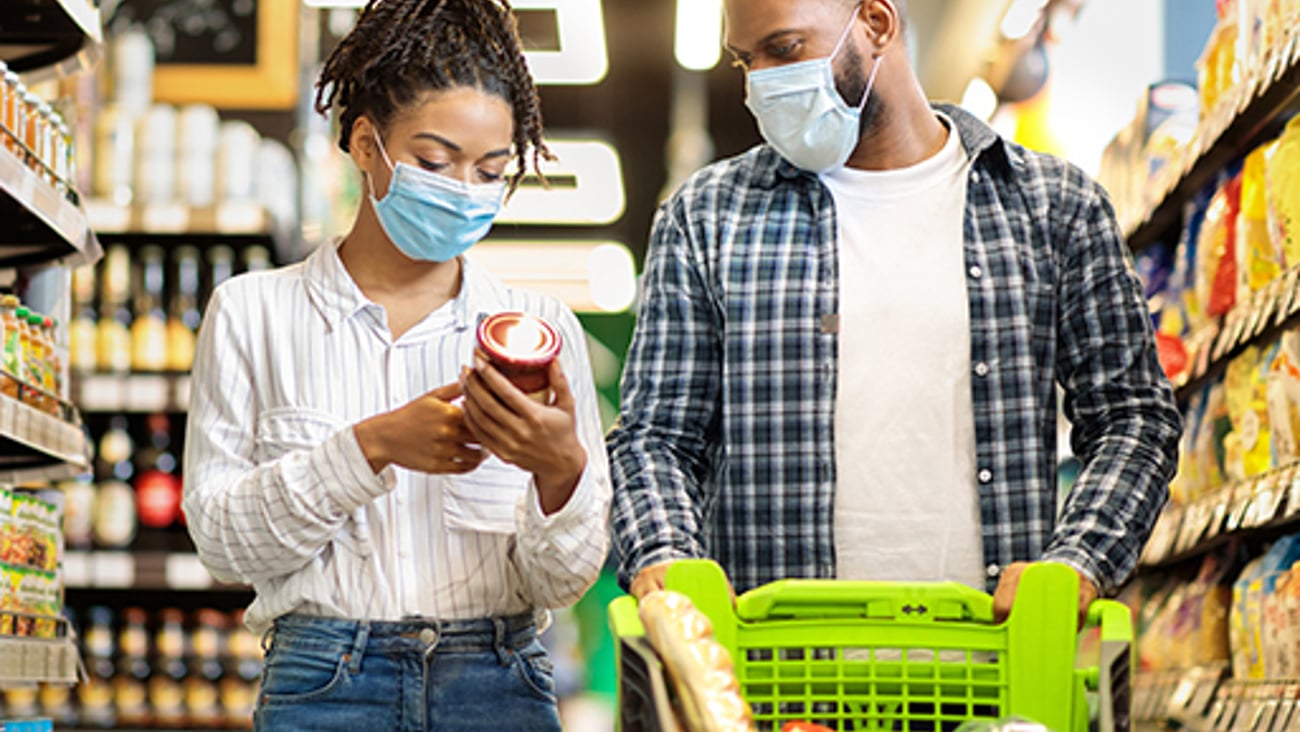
804, 727
1223, 294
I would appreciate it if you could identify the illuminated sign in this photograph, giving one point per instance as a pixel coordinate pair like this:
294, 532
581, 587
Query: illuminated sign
586, 188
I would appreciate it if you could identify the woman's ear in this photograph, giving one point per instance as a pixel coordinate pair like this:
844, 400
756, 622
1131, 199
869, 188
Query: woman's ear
362, 145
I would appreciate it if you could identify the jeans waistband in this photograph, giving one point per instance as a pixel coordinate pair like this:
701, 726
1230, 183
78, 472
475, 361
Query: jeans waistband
478, 633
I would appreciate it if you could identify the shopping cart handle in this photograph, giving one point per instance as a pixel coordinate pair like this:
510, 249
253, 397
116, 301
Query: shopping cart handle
907, 603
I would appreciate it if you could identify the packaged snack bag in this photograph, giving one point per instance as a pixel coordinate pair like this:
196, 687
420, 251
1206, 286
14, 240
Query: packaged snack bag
35, 538
1284, 399
1246, 387
1240, 627
1258, 261
1282, 193
1216, 251
30, 601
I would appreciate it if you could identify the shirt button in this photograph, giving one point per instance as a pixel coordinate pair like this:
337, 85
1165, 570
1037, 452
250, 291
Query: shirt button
981, 369
976, 272
428, 635
993, 570
986, 476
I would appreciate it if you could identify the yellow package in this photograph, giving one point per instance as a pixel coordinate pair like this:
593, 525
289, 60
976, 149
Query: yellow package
1284, 400
1246, 390
1259, 262
1212, 439
1240, 623
1282, 193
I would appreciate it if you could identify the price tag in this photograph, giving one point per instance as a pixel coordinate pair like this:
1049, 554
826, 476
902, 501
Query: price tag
1258, 308
1286, 291
101, 393
1241, 500
76, 569
1183, 694
166, 218
1290, 292
1265, 714
240, 217
146, 393
186, 572
113, 569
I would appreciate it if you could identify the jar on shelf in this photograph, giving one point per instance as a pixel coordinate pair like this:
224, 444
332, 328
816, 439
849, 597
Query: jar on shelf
31, 127
45, 143
63, 169
16, 113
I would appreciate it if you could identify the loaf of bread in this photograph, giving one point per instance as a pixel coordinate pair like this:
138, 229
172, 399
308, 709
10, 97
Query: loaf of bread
699, 667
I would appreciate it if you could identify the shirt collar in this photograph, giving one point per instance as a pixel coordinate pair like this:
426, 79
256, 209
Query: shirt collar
338, 298
976, 136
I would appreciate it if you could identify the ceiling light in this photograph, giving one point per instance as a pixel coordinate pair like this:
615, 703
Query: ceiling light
1021, 18
698, 43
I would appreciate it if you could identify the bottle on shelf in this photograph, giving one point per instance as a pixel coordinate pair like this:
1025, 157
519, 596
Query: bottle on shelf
131, 681
81, 331
167, 684
13, 346
183, 316
78, 513
221, 267
113, 335
95, 694
157, 488
114, 524
149, 328
202, 701
256, 259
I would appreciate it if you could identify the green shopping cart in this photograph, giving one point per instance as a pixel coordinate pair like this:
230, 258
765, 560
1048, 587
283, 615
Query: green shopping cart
890, 656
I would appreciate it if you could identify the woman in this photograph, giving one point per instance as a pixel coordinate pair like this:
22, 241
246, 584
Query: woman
404, 521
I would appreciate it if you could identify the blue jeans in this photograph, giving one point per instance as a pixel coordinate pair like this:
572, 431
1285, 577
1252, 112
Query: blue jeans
323, 674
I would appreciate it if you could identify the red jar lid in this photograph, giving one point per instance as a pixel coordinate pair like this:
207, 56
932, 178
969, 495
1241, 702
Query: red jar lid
519, 339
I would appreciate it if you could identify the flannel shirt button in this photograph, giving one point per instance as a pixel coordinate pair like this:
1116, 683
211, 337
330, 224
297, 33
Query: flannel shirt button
986, 476
976, 272
993, 570
981, 369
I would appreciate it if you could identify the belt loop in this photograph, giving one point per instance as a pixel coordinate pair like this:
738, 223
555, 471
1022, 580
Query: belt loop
268, 638
359, 647
502, 631
500, 636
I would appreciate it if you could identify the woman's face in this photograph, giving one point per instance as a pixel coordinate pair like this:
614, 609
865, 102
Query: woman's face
462, 133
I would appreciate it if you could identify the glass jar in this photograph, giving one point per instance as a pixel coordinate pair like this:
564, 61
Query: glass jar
45, 142
63, 156
32, 128
17, 114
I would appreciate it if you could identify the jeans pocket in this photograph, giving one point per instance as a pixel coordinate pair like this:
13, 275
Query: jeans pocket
535, 668
295, 674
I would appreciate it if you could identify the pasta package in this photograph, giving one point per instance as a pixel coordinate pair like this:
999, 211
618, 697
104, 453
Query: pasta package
1216, 251
700, 668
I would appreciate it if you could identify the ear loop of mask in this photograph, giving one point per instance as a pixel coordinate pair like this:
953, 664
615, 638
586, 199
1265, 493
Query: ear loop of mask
370, 179
875, 63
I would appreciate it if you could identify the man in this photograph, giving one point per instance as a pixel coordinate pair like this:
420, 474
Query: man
848, 352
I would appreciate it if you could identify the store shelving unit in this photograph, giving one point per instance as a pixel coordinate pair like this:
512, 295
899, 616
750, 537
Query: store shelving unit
134, 393
45, 38
40, 224
1248, 119
244, 219
1206, 699
126, 570
42, 227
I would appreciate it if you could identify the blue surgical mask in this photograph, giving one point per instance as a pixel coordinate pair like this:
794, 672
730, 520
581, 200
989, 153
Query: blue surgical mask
431, 217
802, 115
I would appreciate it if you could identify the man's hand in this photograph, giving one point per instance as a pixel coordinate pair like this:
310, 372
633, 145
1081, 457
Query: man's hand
650, 579
1005, 594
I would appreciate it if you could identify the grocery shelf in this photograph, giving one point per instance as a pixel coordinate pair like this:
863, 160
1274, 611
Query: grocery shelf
1206, 699
131, 393
35, 445
232, 218
50, 38
1260, 508
126, 570
1263, 317
1228, 133
26, 661
41, 224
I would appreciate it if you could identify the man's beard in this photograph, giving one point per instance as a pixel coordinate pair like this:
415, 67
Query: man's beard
851, 83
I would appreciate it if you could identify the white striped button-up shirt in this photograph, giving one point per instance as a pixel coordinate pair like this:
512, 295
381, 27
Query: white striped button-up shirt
279, 495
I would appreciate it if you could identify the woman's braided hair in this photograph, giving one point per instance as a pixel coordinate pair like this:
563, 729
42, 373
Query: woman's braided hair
401, 49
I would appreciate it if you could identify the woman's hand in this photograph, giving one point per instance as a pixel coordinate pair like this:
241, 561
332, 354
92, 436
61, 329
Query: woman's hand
541, 439
428, 435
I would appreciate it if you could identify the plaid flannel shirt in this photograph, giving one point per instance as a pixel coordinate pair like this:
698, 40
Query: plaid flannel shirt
725, 447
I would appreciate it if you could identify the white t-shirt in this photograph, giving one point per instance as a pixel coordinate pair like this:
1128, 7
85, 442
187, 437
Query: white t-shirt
906, 500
